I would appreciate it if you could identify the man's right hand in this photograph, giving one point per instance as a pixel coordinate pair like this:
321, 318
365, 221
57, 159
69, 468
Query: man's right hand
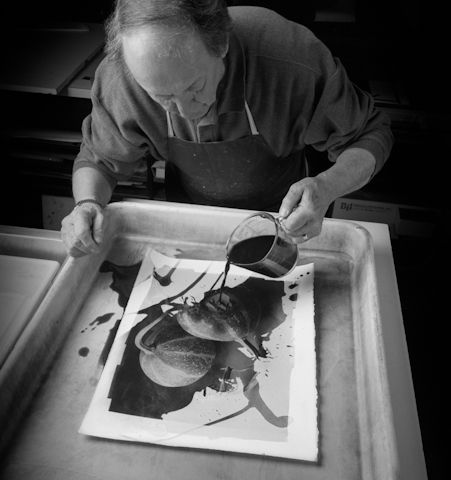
82, 230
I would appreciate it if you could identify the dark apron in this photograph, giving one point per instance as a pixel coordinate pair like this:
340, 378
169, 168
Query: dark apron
242, 173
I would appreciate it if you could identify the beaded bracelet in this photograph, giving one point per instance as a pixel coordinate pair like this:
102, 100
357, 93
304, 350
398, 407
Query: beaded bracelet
89, 200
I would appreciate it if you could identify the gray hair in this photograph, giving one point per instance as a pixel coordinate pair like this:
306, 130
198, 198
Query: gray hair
209, 18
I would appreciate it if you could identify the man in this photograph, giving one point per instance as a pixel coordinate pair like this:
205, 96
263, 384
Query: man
229, 98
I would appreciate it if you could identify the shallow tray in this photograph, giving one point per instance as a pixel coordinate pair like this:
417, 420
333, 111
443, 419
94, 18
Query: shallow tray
355, 416
24, 282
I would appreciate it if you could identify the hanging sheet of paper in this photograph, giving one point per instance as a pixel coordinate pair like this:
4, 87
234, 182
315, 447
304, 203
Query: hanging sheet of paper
258, 395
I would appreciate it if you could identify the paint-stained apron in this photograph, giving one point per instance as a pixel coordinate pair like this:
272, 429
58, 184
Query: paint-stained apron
242, 173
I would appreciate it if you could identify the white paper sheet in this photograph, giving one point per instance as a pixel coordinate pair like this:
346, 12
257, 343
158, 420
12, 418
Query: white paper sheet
270, 404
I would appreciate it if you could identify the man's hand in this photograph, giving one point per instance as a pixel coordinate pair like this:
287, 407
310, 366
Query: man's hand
303, 208
82, 230
307, 201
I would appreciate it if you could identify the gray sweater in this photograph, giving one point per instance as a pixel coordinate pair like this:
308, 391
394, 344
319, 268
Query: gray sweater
298, 93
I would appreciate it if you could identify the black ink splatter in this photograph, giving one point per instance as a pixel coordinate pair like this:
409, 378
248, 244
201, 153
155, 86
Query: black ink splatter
124, 277
99, 321
83, 352
293, 285
165, 280
252, 393
293, 297
109, 343
133, 393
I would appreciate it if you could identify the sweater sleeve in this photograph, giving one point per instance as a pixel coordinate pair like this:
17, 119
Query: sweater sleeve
109, 146
345, 117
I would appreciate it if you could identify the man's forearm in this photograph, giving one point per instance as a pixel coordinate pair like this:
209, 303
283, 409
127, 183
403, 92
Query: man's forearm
351, 171
90, 183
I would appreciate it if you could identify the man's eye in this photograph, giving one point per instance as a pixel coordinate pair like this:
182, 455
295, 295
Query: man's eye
198, 87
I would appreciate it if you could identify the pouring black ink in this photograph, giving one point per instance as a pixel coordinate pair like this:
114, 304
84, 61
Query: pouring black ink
269, 255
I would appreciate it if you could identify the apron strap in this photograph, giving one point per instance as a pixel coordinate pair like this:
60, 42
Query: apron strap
250, 119
170, 127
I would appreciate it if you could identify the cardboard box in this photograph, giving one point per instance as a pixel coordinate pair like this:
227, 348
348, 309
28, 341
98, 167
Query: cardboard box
402, 220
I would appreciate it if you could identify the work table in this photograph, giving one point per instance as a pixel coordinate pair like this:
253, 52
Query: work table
47, 441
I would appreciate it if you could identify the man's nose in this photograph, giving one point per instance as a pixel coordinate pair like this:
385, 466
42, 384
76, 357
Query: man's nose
184, 104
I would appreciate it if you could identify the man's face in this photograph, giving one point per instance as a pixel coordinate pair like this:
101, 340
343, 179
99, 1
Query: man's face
175, 69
